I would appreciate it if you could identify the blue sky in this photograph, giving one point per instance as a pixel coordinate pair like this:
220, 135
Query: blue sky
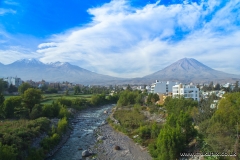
123, 38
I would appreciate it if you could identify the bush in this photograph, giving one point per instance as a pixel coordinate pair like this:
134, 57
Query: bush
7, 152
131, 119
64, 101
63, 112
51, 110
62, 125
36, 154
144, 132
49, 142
36, 112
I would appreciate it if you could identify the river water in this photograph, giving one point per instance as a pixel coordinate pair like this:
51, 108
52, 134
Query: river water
82, 136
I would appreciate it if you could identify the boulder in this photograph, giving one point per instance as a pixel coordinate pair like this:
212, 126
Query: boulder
117, 147
100, 138
105, 112
85, 153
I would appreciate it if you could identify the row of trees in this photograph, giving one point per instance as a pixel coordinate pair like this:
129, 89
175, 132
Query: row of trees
177, 132
20, 106
220, 130
211, 87
129, 97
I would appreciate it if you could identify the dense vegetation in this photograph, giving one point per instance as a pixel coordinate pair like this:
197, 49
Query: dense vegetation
189, 127
26, 117
16, 136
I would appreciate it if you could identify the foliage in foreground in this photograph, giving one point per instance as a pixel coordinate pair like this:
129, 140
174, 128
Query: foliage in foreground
17, 136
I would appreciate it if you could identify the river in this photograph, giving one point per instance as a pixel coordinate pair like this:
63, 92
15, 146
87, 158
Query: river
82, 136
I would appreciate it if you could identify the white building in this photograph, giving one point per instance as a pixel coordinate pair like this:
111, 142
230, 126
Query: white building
14, 81
162, 87
214, 104
187, 91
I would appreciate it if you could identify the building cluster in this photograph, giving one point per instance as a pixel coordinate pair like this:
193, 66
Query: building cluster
164, 89
15, 81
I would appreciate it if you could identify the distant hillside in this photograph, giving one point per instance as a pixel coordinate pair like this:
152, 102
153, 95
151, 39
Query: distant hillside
190, 70
54, 72
185, 70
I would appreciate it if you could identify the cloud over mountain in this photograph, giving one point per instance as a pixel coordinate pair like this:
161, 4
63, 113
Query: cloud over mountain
123, 40
120, 37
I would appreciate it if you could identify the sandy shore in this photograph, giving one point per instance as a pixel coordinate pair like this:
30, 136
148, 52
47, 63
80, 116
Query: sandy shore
129, 150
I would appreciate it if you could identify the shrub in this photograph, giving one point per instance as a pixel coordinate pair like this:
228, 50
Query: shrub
64, 101
7, 152
49, 142
144, 132
63, 112
62, 125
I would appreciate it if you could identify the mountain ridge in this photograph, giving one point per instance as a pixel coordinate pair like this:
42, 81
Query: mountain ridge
184, 70
54, 72
190, 70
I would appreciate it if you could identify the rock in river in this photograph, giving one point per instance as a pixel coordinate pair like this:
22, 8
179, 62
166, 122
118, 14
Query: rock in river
100, 138
85, 153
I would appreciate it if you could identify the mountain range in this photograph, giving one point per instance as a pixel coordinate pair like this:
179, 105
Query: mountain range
32, 69
185, 70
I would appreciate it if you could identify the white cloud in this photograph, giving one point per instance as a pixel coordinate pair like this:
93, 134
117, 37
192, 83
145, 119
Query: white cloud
15, 53
5, 11
9, 2
132, 42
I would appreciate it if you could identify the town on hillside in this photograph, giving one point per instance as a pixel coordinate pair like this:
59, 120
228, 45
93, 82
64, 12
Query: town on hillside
162, 88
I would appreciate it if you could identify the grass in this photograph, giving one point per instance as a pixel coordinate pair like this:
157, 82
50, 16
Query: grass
49, 98
9, 96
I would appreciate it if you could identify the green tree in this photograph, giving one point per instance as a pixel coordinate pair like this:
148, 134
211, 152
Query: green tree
236, 87
12, 89
2, 99
36, 112
7, 152
51, 110
139, 99
152, 98
3, 85
47, 111
31, 97
170, 143
217, 87
9, 106
210, 86
77, 90
23, 87
175, 105
128, 98
129, 87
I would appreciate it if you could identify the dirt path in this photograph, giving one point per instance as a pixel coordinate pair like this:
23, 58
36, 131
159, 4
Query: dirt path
129, 150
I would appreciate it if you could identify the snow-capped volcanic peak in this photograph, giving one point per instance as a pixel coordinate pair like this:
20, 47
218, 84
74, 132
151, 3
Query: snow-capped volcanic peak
30, 61
57, 64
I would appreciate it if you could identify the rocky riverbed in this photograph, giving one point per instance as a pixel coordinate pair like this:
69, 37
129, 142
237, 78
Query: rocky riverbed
105, 149
91, 133
82, 135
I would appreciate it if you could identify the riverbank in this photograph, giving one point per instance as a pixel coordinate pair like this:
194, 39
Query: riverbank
81, 136
106, 148
129, 150
66, 135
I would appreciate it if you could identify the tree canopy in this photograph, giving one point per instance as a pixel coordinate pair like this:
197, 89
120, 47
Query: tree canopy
23, 87
31, 97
